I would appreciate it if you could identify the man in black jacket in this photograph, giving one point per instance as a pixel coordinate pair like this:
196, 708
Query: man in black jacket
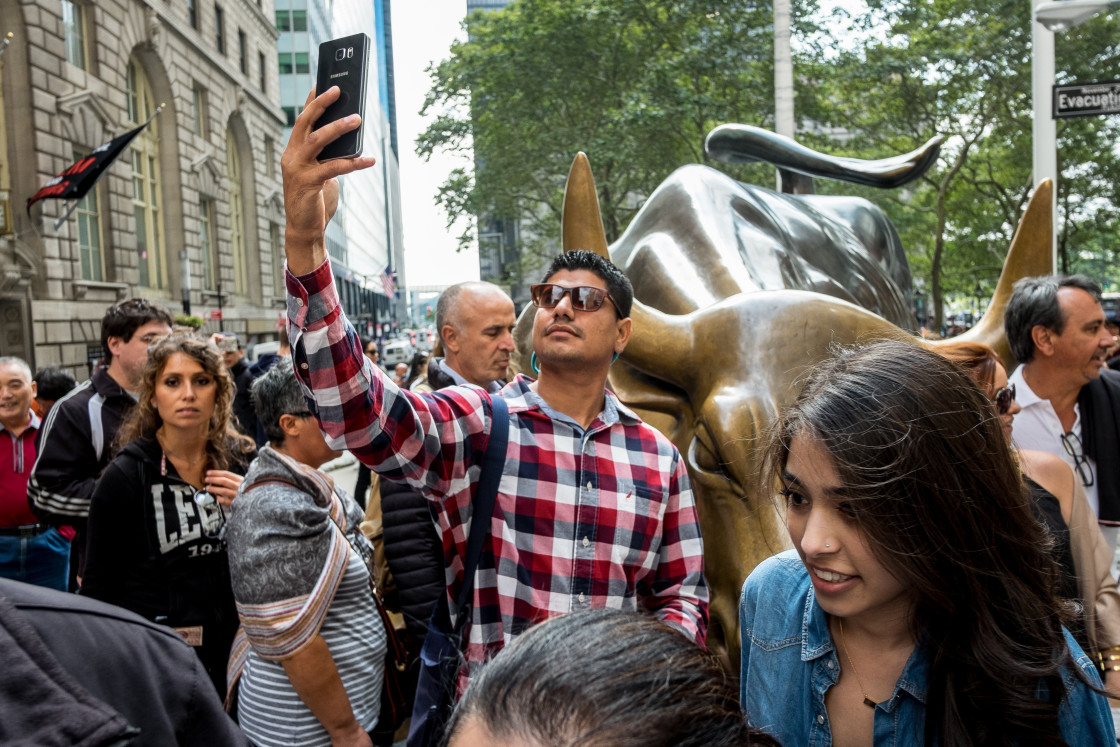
230, 347
81, 672
76, 440
475, 321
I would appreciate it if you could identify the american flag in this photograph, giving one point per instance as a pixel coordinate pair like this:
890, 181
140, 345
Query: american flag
389, 283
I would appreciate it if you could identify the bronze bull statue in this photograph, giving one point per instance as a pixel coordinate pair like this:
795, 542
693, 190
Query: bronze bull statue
719, 345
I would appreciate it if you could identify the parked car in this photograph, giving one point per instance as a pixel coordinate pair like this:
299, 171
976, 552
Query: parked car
394, 352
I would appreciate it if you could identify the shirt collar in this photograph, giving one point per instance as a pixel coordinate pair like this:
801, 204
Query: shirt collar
32, 426
451, 373
613, 409
1024, 395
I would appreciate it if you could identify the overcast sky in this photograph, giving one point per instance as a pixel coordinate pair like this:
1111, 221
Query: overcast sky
423, 32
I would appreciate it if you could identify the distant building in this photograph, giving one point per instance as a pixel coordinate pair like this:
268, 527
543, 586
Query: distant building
191, 214
366, 236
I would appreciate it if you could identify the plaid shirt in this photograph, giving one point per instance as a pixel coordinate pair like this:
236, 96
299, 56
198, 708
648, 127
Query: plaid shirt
602, 517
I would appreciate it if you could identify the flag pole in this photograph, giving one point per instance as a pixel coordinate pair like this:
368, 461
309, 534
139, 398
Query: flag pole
7, 40
74, 205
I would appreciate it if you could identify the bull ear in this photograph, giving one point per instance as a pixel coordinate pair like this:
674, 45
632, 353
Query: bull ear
581, 223
1030, 255
660, 344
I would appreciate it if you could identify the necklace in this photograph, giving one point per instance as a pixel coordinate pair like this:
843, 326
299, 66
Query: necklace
867, 701
169, 453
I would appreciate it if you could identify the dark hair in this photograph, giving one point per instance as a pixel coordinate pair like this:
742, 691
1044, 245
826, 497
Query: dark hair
144, 420
618, 285
53, 383
976, 359
600, 678
1034, 302
123, 318
277, 393
934, 490
418, 360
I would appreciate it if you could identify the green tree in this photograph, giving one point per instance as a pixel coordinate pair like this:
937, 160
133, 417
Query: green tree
961, 68
636, 84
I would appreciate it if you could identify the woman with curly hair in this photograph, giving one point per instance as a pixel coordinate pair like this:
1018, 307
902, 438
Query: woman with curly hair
919, 605
156, 518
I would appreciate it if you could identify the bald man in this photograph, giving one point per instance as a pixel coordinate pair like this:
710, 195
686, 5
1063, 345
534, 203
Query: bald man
475, 322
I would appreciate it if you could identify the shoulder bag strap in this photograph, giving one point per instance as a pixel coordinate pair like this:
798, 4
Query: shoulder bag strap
488, 481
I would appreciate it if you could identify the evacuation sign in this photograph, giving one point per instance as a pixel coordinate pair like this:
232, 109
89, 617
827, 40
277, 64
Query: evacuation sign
1087, 100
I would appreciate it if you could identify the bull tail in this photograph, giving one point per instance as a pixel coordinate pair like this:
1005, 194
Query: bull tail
737, 143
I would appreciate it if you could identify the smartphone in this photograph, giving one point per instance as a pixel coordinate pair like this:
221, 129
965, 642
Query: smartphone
343, 63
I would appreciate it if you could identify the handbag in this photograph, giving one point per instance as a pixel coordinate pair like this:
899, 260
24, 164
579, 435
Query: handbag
441, 655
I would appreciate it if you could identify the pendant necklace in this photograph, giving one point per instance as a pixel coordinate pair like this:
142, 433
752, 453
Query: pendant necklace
867, 701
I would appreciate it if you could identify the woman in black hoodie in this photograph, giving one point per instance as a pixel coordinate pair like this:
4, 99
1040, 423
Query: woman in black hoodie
156, 518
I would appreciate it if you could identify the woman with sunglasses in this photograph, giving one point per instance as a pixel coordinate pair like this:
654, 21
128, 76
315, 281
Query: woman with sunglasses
1083, 556
157, 514
919, 605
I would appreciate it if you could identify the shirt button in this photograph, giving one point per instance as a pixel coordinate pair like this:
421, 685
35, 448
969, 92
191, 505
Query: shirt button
831, 664
586, 542
299, 302
303, 366
581, 598
820, 718
589, 485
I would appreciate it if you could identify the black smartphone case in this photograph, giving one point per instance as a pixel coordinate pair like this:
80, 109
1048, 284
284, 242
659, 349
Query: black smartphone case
343, 63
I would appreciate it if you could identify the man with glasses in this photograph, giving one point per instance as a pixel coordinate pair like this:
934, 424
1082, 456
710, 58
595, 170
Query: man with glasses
75, 442
1070, 400
593, 508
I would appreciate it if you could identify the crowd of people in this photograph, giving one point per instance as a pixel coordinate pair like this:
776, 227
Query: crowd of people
949, 581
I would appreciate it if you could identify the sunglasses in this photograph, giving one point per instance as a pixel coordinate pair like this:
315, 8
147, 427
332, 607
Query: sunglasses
584, 297
1003, 399
1080, 462
210, 513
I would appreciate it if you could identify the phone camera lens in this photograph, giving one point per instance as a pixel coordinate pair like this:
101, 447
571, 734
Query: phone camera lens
339, 55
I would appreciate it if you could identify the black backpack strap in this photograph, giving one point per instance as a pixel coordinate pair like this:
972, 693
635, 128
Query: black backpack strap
484, 499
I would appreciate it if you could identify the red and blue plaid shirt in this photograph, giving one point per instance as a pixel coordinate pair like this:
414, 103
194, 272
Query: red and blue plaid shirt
602, 517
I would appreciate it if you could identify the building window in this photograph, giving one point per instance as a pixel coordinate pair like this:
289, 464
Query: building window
290, 116
299, 20
242, 52
220, 28
285, 59
269, 157
198, 101
89, 234
261, 66
303, 62
283, 20
74, 31
146, 181
206, 245
277, 259
236, 218
192, 13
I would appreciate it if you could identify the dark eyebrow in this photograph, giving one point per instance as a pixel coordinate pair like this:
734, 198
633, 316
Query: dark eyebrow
835, 494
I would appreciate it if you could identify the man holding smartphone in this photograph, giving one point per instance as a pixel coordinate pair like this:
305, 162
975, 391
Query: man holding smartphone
594, 507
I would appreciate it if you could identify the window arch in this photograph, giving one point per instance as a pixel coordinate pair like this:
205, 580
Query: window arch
146, 183
236, 218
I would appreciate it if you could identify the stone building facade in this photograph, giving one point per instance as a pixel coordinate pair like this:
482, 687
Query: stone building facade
190, 215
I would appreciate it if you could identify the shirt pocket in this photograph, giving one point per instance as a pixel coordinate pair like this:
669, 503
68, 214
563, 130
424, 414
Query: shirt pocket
637, 526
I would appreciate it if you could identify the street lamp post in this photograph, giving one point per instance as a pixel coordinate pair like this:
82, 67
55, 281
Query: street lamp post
1052, 16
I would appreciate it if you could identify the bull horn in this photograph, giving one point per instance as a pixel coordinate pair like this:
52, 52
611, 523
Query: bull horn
581, 223
1030, 255
660, 344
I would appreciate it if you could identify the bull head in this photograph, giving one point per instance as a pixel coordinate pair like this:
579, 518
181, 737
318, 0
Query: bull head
714, 379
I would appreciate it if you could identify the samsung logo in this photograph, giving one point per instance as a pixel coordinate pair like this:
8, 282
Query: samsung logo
339, 75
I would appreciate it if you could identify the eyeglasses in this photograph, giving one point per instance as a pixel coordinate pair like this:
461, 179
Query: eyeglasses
584, 297
1080, 461
210, 513
1003, 399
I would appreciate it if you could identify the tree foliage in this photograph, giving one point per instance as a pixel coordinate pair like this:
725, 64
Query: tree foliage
636, 84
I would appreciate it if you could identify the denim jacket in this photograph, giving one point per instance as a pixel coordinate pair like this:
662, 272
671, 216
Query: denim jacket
789, 662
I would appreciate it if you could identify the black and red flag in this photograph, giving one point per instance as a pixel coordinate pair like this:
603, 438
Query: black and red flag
78, 179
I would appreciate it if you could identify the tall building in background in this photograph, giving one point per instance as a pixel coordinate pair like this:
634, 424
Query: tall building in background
499, 239
191, 213
365, 239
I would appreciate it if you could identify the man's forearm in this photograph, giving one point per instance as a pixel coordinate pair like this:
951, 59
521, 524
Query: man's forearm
315, 678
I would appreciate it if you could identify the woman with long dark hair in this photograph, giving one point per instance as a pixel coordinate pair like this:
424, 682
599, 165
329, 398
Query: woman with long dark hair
157, 514
919, 605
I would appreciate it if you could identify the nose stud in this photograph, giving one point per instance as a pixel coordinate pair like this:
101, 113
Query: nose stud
826, 545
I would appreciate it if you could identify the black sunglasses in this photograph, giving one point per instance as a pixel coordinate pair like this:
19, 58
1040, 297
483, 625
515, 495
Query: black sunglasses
584, 297
1080, 462
1003, 399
